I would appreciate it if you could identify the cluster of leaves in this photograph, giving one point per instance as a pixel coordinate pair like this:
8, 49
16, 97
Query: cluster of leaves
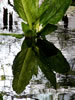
36, 50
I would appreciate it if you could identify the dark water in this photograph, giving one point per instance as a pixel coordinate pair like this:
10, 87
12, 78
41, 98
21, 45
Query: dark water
39, 87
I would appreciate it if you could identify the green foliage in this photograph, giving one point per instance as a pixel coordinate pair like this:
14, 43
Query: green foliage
47, 30
52, 57
55, 11
49, 74
27, 10
27, 31
35, 50
20, 10
23, 69
24, 66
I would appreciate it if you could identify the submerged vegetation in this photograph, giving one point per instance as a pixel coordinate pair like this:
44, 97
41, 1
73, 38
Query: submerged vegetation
36, 51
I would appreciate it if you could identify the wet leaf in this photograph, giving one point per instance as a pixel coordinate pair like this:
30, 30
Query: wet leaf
52, 57
23, 69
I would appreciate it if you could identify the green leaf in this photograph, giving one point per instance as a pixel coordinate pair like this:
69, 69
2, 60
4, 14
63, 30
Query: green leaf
25, 27
59, 63
27, 9
44, 6
47, 30
28, 42
23, 69
19, 36
47, 48
55, 11
60, 12
52, 57
49, 74
20, 10
26, 30
24, 45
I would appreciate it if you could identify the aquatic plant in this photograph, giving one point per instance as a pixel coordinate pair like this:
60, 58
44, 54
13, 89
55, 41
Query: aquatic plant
38, 21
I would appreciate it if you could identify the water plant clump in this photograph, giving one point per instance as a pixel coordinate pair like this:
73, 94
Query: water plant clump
38, 21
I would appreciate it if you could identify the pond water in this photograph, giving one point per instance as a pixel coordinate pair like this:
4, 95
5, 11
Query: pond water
39, 87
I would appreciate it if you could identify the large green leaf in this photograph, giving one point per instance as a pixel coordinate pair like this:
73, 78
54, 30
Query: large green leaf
52, 57
20, 10
19, 36
27, 9
60, 12
23, 69
55, 11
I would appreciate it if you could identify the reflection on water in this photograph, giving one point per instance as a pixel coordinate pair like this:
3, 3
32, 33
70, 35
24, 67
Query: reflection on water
39, 87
